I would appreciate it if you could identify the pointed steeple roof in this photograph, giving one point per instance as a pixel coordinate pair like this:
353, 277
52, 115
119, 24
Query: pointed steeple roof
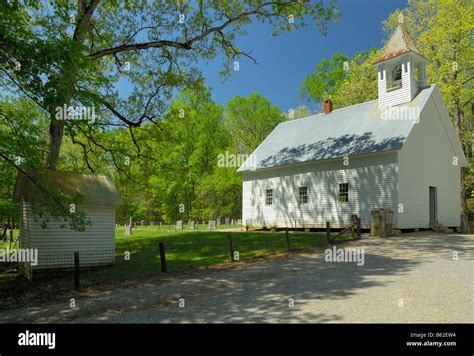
399, 43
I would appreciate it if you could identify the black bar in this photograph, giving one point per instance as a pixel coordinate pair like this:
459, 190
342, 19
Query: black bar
162, 257
368, 338
287, 239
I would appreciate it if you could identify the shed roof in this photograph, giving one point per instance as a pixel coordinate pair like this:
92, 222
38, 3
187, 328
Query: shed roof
94, 189
351, 131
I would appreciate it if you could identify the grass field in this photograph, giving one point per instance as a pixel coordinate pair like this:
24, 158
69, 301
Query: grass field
191, 249
184, 250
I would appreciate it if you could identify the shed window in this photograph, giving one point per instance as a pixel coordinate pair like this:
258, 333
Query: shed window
343, 192
269, 197
303, 195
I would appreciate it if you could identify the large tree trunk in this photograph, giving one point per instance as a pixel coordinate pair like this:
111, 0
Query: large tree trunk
85, 10
56, 131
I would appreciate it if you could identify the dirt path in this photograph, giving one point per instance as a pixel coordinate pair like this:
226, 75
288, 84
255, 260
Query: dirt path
408, 278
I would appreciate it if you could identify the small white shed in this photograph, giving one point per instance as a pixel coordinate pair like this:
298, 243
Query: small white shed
56, 244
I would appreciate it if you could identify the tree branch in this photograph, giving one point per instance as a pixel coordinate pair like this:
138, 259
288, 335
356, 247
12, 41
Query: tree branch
187, 45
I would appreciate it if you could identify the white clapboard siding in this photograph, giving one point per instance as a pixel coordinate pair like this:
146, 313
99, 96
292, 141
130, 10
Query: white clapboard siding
25, 234
25, 225
56, 245
408, 90
372, 184
425, 160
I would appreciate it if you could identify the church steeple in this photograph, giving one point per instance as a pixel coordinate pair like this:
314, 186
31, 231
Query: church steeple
401, 70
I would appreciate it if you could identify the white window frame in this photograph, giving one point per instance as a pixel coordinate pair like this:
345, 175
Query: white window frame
343, 192
302, 197
269, 197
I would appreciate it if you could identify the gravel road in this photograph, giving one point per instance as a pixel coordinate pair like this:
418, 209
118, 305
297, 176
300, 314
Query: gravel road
412, 278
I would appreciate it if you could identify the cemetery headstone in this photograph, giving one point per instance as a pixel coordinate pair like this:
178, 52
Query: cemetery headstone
227, 221
179, 224
212, 224
191, 225
128, 230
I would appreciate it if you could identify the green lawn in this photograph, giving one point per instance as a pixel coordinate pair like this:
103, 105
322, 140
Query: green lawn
184, 249
190, 249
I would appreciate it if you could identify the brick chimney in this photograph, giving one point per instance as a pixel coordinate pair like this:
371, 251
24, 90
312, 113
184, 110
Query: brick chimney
327, 106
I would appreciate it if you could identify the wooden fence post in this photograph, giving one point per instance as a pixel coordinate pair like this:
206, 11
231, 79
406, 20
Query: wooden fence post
230, 248
358, 228
162, 257
328, 231
287, 239
76, 270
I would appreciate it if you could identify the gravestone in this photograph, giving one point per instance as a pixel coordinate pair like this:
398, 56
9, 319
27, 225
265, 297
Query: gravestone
218, 221
191, 225
239, 221
227, 221
128, 230
381, 222
232, 222
179, 224
212, 224
151, 223
142, 223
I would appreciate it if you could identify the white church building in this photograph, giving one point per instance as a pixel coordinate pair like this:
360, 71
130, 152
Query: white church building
400, 151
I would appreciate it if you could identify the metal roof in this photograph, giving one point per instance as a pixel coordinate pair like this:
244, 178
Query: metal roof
94, 189
350, 131
399, 43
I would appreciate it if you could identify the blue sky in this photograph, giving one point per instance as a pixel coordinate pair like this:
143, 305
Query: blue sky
285, 60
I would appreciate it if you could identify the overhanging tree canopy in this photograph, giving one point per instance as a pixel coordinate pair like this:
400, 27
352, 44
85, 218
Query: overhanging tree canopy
76, 54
